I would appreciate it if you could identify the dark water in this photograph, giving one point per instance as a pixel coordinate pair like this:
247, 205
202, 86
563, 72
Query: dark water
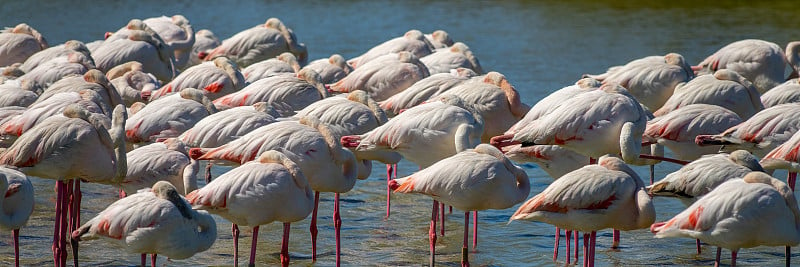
539, 46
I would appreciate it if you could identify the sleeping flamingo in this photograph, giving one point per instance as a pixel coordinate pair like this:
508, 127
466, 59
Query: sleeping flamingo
259, 43
167, 160
13, 95
66, 148
724, 88
53, 106
53, 52
134, 85
285, 93
137, 43
427, 88
678, 129
258, 185
552, 159
788, 92
384, 76
761, 62
204, 40
216, 79
729, 215
785, 157
606, 195
475, 179
154, 221
92, 80
19, 43
40, 78
456, 56
331, 69
439, 39
283, 63
168, 116
413, 41
177, 33
759, 134
17, 205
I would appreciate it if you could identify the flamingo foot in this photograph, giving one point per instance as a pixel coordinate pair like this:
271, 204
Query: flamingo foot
464, 252
313, 228
389, 189
285, 246
337, 226
255, 242
615, 242
555, 247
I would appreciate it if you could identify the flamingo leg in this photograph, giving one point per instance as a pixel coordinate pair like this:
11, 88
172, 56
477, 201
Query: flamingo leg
144, 260
577, 245
615, 242
451, 210
788, 256
75, 218
313, 228
592, 244
59, 202
252, 262
208, 172
791, 179
555, 247
432, 232
62, 244
719, 251
337, 225
652, 174
697, 242
235, 233
585, 249
442, 214
389, 169
285, 246
733, 257
153, 258
568, 237
474, 229
464, 252
15, 238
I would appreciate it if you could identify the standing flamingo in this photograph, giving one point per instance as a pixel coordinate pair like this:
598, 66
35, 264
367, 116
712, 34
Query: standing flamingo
154, 221
724, 88
93, 80
759, 134
134, 85
69, 147
475, 179
258, 185
259, 43
286, 93
53, 106
788, 92
761, 62
331, 69
283, 63
168, 116
651, 80
216, 79
17, 205
553, 159
785, 156
19, 43
425, 89
757, 210
456, 56
167, 160
177, 34
139, 45
595, 197
678, 129
38, 79
384, 76
413, 41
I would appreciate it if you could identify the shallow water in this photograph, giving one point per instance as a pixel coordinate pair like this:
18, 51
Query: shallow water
539, 46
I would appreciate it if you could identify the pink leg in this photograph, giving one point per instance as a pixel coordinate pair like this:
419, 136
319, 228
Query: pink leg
144, 260
60, 192
464, 252
733, 257
474, 229
313, 228
615, 242
577, 245
585, 249
15, 238
791, 180
153, 258
719, 251
568, 235
337, 226
235, 233
75, 219
442, 214
697, 242
555, 247
432, 231
389, 169
652, 173
208, 172
592, 244
285, 246
255, 242
62, 249
451, 209
788, 256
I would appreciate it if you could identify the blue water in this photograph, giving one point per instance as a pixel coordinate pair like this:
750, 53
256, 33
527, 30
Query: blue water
539, 46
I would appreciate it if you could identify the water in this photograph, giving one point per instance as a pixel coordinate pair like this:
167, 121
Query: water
539, 46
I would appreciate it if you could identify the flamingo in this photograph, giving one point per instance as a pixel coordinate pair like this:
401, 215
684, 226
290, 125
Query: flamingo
53, 106
724, 88
143, 46
13, 95
259, 43
154, 221
331, 69
496, 100
310, 144
788, 92
761, 62
784, 156
606, 195
17, 204
283, 63
63, 148
204, 40
285, 93
476, 179
439, 39
760, 133
168, 116
651, 80
256, 185
728, 216
553, 159
53, 52
456, 56
677, 130
167, 160
427, 88
216, 79
384, 76
92, 80
19, 43
413, 41
134, 85
37, 80
177, 33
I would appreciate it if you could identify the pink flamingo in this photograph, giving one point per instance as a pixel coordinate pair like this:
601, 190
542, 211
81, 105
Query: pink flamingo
92, 80
69, 147
439, 39
64, 49
553, 159
283, 63
761, 62
167, 160
785, 157
19, 43
53, 106
788, 92
482, 177
286, 93
413, 41
204, 40
154, 221
137, 42
217, 78
730, 216
38, 79
606, 195
678, 129
759, 134
133, 85
725, 88
425, 89
331, 69
456, 56
384, 76
257, 185
17, 204
168, 116
177, 34
259, 43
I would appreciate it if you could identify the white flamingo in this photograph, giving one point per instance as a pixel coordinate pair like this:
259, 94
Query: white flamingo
17, 204
724, 88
